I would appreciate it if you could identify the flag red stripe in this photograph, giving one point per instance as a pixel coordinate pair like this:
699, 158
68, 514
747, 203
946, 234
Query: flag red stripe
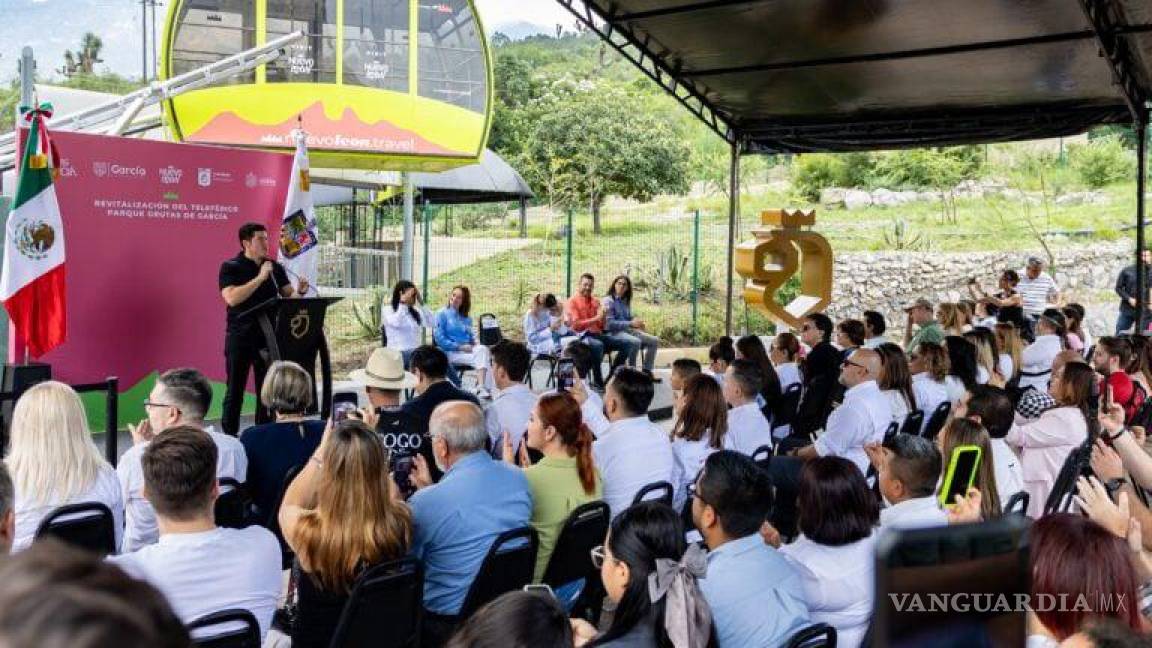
38, 312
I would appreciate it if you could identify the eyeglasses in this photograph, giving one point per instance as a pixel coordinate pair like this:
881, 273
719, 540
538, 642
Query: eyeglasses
849, 363
694, 491
598, 556
149, 403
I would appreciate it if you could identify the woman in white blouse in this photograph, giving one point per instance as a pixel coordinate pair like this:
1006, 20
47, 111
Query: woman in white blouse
834, 554
701, 423
1036, 359
784, 352
929, 367
896, 382
53, 461
403, 318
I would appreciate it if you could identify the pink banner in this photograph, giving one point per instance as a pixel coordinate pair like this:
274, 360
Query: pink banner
147, 226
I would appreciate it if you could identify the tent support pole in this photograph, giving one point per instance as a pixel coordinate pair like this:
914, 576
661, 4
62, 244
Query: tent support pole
406, 246
1141, 181
733, 213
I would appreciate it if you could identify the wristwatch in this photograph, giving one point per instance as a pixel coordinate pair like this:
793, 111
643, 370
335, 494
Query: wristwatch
1118, 434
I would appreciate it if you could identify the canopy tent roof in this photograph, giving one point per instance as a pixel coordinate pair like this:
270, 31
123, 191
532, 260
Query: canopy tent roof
845, 75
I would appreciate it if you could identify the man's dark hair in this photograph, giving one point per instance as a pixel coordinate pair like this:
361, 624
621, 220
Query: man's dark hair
187, 390
835, 503
994, 407
587, 275
53, 595
916, 463
854, 329
514, 357
1116, 346
635, 390
747, 375
249, 229
687, 367
430, 361
875, 321
581, 355
179, 468
738, 490
823, 323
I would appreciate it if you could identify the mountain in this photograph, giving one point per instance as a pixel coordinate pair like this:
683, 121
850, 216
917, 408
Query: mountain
520, 29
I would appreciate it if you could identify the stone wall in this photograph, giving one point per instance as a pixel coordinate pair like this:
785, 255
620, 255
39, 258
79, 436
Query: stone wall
886, 281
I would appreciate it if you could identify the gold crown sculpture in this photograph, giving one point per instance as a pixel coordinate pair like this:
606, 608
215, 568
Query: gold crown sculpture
780, 249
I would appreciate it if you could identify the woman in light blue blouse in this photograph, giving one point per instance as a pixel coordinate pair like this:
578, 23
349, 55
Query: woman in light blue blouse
453, 334
629, 330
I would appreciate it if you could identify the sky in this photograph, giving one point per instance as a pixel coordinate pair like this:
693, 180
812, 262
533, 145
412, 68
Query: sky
53, 26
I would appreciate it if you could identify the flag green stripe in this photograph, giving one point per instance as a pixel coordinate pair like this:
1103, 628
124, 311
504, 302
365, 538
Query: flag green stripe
32, 181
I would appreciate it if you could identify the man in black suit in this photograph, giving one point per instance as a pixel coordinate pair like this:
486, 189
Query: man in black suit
432, 388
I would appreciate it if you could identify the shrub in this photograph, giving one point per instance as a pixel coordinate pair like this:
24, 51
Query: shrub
1102, 161
815, 172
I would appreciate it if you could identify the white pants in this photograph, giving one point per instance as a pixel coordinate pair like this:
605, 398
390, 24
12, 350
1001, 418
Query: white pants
479, 358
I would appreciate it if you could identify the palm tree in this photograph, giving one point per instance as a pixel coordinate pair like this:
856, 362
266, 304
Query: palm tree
69, 68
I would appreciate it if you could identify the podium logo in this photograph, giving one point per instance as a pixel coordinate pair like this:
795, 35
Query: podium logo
300, 323
171, 175
204, 177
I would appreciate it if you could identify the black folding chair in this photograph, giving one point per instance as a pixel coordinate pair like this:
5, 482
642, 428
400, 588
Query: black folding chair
585, 529
937, 420
234, 629
232, 505
1017, 504
1075, 464
785, 412
89, 525
763, 456
819, 635
552, 360
273, 523
385, 608
507, 567
662, 487
913, 423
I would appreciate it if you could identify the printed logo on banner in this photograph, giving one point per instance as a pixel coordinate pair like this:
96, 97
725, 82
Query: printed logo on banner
67, 170
250, 180
171, 175
204, 177
100, 169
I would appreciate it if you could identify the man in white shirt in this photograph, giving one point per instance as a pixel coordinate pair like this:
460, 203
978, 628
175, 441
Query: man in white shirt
747, 427
199, 567
992, 407
862, 418
633, 452
908, 467
513, 402
179, 397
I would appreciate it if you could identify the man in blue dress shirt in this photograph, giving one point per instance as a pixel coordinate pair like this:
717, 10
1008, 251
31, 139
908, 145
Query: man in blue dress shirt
757, 599
457, 519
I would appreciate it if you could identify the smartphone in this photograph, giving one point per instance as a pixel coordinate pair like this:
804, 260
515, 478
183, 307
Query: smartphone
540, 589
962, 468
565, 374
340, 411
401, 472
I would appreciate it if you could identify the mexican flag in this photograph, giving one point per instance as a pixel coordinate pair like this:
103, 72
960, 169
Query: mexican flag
298, 235
32, 282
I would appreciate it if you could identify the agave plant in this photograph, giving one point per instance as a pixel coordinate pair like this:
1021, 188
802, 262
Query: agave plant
901, 238
367, 313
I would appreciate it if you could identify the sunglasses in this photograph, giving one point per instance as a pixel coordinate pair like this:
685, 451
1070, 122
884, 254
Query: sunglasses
849, 363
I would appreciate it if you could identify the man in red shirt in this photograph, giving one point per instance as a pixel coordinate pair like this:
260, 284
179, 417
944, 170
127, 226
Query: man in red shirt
584, 314
1111, 359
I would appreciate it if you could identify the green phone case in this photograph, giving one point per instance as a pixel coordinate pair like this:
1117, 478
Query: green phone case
951, 474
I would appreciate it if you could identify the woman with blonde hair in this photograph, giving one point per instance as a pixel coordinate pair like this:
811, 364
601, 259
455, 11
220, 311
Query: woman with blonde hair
340, 516
950, 318
966, 432
53, 461
987, 357
1011, 347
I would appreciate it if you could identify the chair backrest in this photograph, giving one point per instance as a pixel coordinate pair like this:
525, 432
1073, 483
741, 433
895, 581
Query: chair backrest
818, 635
232, 504
1017, 504
385, 607
585, 529
913, 423
937, 420
763, 456
507, 567
890, 433
662, 487
1060, 497
89, 525
490, 332
789, 402
226, 629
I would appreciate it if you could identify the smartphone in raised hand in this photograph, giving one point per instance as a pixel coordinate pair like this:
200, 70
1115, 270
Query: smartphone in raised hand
963, 466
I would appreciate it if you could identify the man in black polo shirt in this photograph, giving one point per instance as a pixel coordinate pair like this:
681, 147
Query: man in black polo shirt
246, 280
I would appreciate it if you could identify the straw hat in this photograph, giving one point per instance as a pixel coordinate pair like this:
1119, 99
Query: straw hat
385, 370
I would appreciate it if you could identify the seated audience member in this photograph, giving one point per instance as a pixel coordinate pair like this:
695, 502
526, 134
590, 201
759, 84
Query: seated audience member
1076, 559
963, 370
632, 452
929, 367
591, 404
650, 576
748, 429
584, 314
1009, 304
512, 402
56, 596
1073, 317
7, 511
751, 347
820, 375
404, 318
1011, 349
53, 461
700, 428
987, 357
565, 477
1140, 368
384, 378
516, 620
201, 568
541, 327
962, 431
340, 517
1081, 329
682, 371
180, 397
1034, 402
456, 520
991, 407
273, 449
834, 553
909, 469
874, 327
952, 321
784, 354
454, 335
896, 382
757, 597
1045, 443
849, 336
928, 329
1036, 359
430, 366
1111, 359
720, 356
630, 331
